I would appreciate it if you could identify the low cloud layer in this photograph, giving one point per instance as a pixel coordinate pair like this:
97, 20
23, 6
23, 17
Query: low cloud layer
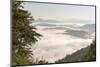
53, 46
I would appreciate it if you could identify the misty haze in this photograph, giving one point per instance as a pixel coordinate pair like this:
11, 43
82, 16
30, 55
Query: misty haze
44, 33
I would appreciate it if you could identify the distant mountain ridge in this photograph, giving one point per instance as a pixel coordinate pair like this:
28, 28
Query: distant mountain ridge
46, 20
79, 21
77, 33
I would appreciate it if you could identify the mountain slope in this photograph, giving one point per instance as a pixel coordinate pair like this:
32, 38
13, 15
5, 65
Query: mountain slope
85, 54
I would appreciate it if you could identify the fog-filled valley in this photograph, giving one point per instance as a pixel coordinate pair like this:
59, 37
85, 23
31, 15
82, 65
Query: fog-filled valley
46, 33
60, 39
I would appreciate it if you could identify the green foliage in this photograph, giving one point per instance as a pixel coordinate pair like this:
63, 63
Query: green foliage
91, 54
42, 62
23, 35
39, 61
85, 54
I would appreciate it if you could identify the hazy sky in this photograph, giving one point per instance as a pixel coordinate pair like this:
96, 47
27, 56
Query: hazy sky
60, 12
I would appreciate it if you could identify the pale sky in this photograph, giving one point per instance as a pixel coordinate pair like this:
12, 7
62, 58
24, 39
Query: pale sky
60, 12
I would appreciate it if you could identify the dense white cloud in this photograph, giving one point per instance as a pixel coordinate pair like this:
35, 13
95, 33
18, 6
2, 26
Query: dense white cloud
54, 46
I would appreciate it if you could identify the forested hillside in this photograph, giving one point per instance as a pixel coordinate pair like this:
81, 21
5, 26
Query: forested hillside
85, 54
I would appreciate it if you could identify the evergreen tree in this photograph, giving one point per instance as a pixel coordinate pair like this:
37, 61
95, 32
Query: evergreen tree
23, 35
